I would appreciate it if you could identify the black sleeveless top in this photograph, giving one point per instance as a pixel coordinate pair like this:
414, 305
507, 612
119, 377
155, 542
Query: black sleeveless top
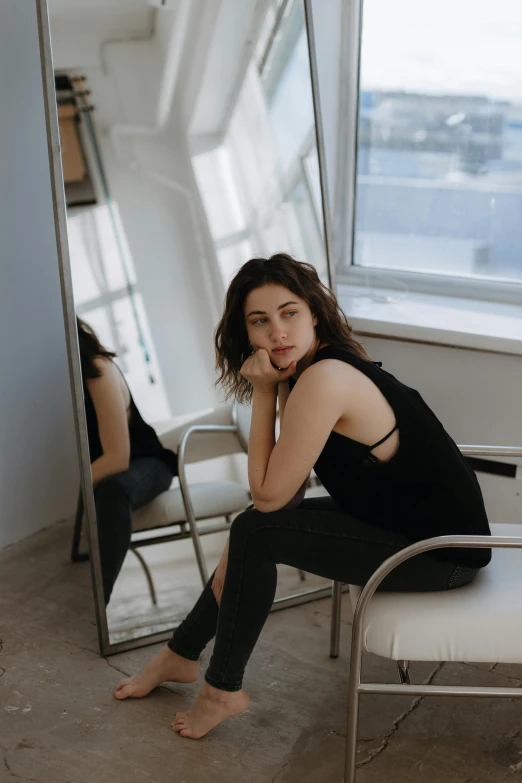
427, 489
143, 439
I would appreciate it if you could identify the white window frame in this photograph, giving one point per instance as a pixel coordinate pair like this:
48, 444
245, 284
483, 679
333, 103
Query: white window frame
345, 206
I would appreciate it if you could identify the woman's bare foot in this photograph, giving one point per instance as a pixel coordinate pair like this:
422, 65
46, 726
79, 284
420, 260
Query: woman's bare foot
212, 706
166, 665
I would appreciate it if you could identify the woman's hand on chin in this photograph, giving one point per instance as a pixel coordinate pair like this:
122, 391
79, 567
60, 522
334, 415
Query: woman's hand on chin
259, 370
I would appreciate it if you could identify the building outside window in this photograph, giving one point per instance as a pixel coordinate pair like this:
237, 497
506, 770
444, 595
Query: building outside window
439, 151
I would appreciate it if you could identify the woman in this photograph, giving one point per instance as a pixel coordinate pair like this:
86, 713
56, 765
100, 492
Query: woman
393, 474
129, 465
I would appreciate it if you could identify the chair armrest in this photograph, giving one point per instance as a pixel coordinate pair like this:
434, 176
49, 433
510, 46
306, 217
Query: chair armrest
171, 431
428, 544
438, 542
204, 448
208, 429
491, 451
217, 429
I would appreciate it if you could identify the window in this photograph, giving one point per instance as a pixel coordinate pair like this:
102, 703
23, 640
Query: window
260, 186
106, 295
439, 154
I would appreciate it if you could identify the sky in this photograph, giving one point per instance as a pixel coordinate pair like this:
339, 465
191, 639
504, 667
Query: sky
444, 46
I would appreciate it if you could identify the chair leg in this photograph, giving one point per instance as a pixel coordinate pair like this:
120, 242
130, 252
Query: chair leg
404, 674
352, 727
148, 575
189, 510
335, 628
76, 555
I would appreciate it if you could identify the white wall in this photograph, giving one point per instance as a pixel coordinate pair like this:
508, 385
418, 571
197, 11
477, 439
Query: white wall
477, 397
38, 464
165, 229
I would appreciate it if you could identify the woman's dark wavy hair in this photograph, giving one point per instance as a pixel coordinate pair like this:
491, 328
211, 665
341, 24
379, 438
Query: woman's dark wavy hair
90, 349
231, 341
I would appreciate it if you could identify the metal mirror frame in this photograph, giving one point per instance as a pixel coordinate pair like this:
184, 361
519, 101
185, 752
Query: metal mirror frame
69, 315
69, 312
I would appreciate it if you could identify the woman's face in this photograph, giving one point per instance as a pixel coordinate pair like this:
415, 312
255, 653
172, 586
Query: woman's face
281, 323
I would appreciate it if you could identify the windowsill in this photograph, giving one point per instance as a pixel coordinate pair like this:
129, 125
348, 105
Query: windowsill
429, 318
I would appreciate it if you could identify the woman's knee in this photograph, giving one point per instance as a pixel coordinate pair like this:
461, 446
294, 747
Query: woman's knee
246, 523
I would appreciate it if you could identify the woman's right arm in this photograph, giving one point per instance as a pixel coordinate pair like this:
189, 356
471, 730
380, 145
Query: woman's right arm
113, 425
283, 392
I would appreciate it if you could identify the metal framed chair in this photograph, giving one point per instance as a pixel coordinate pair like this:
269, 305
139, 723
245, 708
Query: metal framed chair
459, 625
176, 514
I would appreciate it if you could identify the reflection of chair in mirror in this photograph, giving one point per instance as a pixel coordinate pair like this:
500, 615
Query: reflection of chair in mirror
184, 506
240, 429
174, 514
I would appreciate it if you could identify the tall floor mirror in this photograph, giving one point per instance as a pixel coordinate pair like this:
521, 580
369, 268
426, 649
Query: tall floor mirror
185, 150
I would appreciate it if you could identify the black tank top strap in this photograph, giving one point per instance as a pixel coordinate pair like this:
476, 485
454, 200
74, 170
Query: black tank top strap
383, 439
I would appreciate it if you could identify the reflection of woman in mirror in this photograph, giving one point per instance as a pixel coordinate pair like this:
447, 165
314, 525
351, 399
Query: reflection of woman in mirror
393, 475
129, 465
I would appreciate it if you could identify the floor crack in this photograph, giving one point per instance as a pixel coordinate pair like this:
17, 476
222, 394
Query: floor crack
13, 774
281, 770
125, 674
79, 647
397, 721
492, 668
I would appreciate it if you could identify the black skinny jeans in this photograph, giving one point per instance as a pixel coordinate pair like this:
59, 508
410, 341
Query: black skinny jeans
318, 537
116, 497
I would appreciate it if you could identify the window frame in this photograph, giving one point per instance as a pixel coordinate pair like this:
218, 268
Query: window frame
345, 190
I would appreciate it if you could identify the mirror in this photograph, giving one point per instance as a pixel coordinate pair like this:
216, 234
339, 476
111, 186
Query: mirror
186, 151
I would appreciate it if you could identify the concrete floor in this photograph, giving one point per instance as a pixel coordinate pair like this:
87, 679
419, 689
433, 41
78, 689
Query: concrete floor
60, 724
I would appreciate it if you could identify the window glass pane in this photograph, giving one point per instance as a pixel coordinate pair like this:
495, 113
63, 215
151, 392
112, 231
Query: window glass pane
266, 32
224, 211
261, 186
101, 270
100, 256
439, 185
232, 257
292, 108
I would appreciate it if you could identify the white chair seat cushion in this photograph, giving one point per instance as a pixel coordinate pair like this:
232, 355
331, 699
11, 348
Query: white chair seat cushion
209, 499
480, 622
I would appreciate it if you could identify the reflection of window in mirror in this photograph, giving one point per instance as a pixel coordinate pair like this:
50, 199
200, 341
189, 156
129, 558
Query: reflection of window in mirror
107, 295
260, 184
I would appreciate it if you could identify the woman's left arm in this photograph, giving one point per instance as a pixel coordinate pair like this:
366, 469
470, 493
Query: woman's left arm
276, 471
